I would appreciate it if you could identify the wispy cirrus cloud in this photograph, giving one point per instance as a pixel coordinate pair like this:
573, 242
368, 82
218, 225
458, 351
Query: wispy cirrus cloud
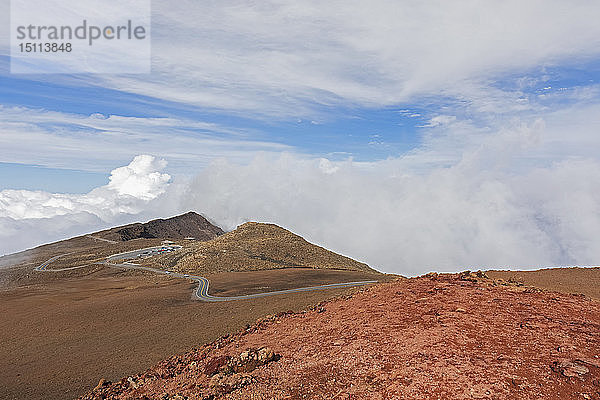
289, 58
293, 59
96, 142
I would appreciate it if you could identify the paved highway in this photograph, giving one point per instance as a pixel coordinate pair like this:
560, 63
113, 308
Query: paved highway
131, 254
42, 267
201, 293
102, 239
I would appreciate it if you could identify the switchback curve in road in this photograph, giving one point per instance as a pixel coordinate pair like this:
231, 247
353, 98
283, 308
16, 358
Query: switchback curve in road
201, 292
42, 266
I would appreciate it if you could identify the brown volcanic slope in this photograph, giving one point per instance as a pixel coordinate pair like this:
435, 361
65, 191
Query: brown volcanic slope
57, 340
64, 330
179, 227
567, 280
433, 337
17, 269
256, 246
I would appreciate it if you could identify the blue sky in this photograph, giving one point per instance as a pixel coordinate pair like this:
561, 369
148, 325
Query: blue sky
332, 89
362, 133
470, 128
339, 89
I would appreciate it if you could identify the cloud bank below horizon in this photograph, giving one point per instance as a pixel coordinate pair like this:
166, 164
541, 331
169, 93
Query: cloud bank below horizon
511, 198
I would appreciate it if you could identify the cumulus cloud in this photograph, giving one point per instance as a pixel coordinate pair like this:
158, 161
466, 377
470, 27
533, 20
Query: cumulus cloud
29, 218
469, 215
129, 190
140, 179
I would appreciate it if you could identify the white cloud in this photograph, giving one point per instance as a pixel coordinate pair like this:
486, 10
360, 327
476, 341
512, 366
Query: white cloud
20, 234
327, 166
520, 194
439, 120
129, 191
140, 179
474, 214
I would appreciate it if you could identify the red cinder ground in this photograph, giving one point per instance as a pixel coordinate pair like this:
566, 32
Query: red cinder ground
434, 337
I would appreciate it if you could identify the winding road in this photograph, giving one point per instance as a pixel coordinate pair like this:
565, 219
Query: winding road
102, 239
201, 293
42, 267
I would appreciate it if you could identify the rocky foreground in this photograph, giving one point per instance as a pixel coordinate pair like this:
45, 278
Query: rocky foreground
434, 337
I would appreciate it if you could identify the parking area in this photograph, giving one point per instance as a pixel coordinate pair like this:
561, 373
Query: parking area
144, 253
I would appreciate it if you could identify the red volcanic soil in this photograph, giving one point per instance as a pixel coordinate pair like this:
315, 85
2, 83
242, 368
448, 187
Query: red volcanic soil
433, 337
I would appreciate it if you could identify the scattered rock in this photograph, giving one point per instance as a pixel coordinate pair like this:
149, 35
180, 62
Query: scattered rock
215, 364
480, 274
465, 276
472, 276
569, 368
132, 382
224, 384
177, 396
103, 382
246, 362
231, 373
400, 349
588, 362
249, 360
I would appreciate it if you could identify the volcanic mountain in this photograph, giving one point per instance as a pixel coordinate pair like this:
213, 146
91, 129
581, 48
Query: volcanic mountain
96, 246
256, 246
190, 225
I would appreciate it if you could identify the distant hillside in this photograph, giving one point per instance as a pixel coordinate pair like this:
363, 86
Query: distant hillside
179, 227
95, 246
256, 246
